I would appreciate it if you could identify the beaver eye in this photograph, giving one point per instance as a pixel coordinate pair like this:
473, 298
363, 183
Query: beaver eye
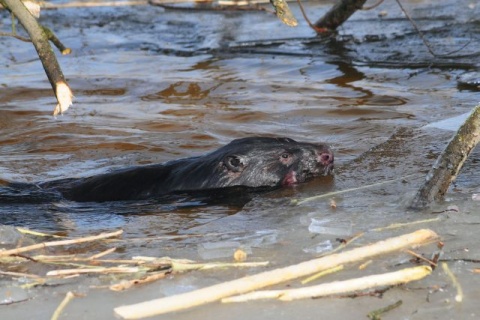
234, 163
286, 158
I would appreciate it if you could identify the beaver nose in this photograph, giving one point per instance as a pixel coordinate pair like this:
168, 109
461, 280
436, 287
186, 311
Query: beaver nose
325, 157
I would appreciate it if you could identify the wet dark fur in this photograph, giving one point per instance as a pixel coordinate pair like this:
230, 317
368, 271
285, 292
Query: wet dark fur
250, 162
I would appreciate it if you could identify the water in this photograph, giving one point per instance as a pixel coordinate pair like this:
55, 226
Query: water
153, 85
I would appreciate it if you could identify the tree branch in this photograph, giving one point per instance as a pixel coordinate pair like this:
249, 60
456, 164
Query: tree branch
45, 53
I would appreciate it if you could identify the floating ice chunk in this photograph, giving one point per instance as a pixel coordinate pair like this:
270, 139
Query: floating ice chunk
451, 124
324, 246
260, 238
331, 226
216, 250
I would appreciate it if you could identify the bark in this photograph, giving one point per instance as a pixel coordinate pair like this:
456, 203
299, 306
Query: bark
449, 163
338, 14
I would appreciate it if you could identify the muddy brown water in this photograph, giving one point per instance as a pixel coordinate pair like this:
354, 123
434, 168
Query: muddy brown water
153, 85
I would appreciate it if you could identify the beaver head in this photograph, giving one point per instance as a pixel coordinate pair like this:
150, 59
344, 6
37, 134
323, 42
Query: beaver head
248, 162
256, 162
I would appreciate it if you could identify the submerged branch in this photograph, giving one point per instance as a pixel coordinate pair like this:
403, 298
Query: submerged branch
449, 163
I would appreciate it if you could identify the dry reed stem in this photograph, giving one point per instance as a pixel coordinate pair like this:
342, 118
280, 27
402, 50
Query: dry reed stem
102, 270
62, 305
60, 243
456, 284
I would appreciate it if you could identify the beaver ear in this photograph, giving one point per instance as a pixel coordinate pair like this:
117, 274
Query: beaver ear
234, 163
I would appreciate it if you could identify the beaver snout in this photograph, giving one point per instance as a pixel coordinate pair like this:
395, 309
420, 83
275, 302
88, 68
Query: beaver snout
325, 157
325, 160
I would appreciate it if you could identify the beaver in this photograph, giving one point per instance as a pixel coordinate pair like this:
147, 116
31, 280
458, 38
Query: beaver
253, 162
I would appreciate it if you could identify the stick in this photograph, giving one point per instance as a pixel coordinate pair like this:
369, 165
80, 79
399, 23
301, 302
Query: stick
62, 305
456, 284
60, 243
67, 272
101, 254
333, 193
337, 287
253, 282
88, 4
322, 273
50, 64
449, 163
130, 283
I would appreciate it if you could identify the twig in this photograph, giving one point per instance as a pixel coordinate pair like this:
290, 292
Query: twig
456, 284
375, 315
77, 4
310, 24
182, 267
19, 274
366, 8
416, 255
60, 243
424, 40
130, 283
103, 270
62, 305
36, 233
344, 244
338, 287
101, 254
14, 35
406, 224
329, 194
323, 273
53, 38
267, 278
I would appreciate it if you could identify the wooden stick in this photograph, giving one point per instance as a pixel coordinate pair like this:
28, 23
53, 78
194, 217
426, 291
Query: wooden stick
449, 163
338, 287
62, 305
125, 284
456, 284
253, 282
103, 270
101, 254
60, 243
50, 64
334, 193
321, 274
89, 4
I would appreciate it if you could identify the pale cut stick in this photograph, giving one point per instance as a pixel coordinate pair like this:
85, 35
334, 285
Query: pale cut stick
60, 243
261, 280
337, 287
